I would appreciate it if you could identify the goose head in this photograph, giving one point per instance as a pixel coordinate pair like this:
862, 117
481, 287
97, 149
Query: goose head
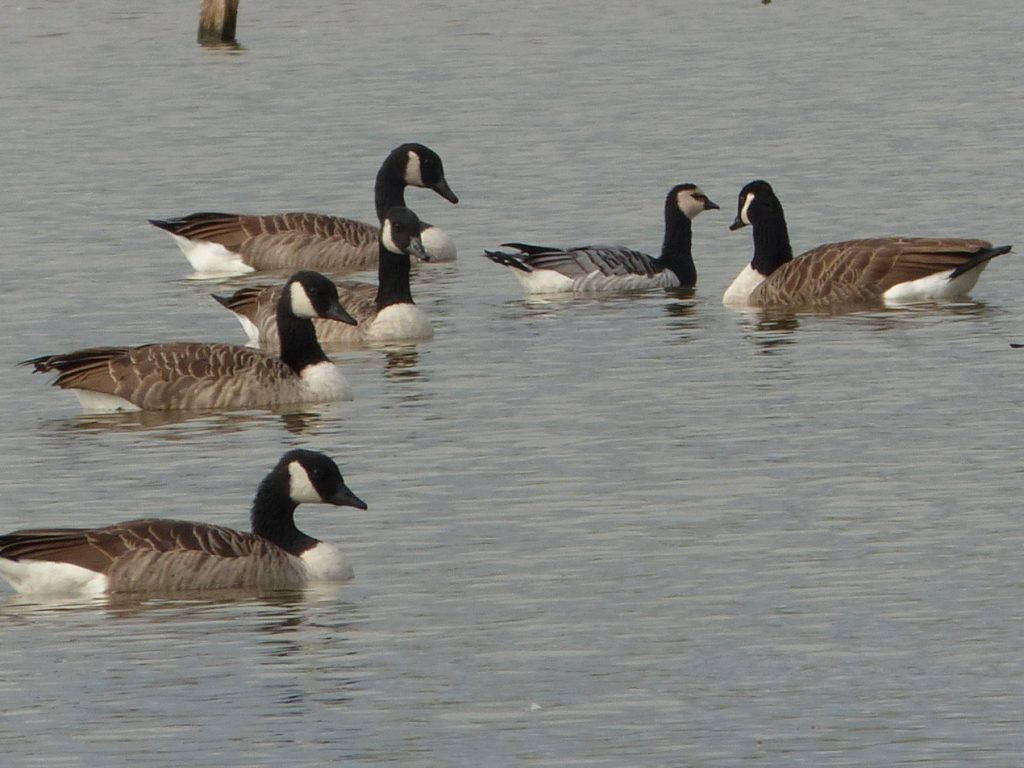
423, 168
691, 200
757, 202
400, 233
309, 294
314, 478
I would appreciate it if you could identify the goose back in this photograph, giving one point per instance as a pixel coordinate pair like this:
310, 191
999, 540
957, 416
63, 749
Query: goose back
383, 312
231, 243
202, 376
865, 270
587, 268
274, 242
885, 270
156, 555
582, 269
181, 376
159, 555
255, 308
608, 261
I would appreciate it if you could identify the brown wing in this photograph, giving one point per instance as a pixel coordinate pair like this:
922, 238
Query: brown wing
161, 555
223, 228
857, 271
190, 376
97, 548
58, 545
285, 240
258, 304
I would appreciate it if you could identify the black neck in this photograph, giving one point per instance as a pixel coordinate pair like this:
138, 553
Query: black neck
393, 279
771, 244
676, 249
299, 345
273, 515
389, 190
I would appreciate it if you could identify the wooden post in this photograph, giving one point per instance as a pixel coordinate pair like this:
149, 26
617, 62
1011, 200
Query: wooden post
217, 21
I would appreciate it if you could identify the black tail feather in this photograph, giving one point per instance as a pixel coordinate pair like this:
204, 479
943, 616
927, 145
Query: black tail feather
174, 226
985, 254
531, 250
224, 301
508, 260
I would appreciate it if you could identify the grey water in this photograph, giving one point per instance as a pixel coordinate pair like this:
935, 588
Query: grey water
634, 531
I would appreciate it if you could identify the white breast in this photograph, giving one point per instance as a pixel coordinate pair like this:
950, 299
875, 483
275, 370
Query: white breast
438, 244
400, 321
325, 563
325, 381
746, 281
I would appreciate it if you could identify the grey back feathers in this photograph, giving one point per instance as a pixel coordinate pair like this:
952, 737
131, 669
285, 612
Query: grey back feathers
312, 240
199, 376
871, 270
603, 267
157, 555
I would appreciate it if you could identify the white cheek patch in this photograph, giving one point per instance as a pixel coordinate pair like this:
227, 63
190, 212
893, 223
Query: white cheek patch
686, 204
744, 216
413, 174
387, 238
301, 305
300, 487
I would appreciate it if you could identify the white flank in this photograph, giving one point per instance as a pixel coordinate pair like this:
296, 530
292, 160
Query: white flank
100, 401
398, 322
738, 293
301, 305
325, 563
413, 174
438, 245
935, 286
543, 281
42, 577
326, 382
211, 258
387, 239
300, 487
744, 216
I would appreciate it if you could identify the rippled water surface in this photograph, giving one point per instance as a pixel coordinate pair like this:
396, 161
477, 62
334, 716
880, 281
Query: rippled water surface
644, 530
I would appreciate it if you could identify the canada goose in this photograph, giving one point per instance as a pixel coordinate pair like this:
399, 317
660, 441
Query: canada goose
198, 376
610, 268
231, 243
892, 270
156, 555
385, 312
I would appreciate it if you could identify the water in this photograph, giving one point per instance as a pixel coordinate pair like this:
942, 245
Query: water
602, 532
